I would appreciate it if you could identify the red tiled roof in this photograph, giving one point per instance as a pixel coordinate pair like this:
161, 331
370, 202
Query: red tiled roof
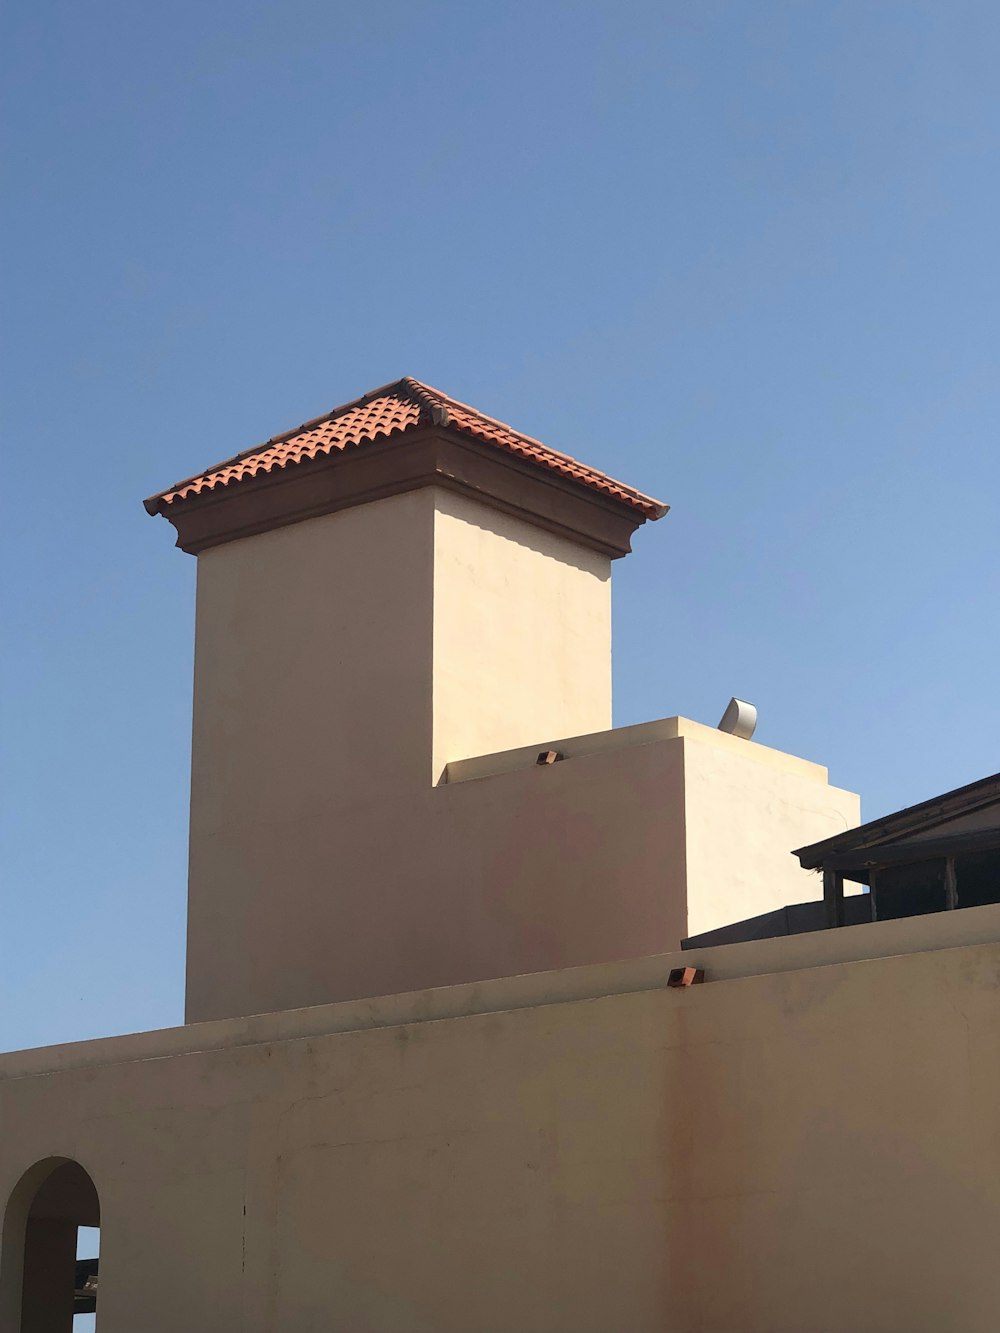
391, 410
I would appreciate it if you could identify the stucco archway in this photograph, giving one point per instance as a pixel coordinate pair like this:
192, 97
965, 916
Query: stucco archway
50, 1202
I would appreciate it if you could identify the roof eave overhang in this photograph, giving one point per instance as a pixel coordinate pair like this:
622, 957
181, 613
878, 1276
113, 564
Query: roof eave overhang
892, 828
407, 461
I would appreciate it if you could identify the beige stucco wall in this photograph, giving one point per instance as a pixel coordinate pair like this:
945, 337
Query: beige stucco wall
813, 1149
312, 710
736, 812
312, 665
528, 869
522, 633
338, 662
549, 867
342, 663
745, 808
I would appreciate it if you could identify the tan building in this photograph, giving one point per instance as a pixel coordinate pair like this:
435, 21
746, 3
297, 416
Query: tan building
433, 1077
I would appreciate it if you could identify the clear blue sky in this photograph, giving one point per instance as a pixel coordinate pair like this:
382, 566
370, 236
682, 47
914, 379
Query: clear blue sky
742, 255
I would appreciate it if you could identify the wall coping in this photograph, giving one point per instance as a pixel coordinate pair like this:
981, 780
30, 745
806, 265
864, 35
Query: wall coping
971, 926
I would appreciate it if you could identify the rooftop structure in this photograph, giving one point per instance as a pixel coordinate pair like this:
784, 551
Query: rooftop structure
936, 856
441, 1071
400, 604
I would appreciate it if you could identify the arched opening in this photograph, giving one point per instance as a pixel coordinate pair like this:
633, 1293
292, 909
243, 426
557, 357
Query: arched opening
44, 1284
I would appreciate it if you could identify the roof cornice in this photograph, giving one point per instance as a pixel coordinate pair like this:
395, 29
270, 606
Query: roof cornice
396, 438
429, 456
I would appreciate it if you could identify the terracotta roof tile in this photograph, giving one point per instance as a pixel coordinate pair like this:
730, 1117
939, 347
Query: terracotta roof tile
384, 412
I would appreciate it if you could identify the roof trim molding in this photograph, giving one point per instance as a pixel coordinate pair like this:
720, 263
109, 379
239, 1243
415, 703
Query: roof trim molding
406, 461
403, 407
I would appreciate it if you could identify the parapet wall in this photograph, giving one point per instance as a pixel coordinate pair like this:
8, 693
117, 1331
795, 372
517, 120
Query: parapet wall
583, 1152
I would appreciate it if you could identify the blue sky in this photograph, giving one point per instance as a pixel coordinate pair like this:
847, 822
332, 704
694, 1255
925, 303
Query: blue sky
742, 255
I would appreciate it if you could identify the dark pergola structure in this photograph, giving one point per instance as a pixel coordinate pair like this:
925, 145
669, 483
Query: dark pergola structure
85, 1293
936, 856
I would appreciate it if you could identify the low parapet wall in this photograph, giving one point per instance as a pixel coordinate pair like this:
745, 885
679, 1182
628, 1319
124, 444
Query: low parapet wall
580, 1152
730, 962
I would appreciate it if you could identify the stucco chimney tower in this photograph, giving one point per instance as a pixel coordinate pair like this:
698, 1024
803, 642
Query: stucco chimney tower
391, 587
